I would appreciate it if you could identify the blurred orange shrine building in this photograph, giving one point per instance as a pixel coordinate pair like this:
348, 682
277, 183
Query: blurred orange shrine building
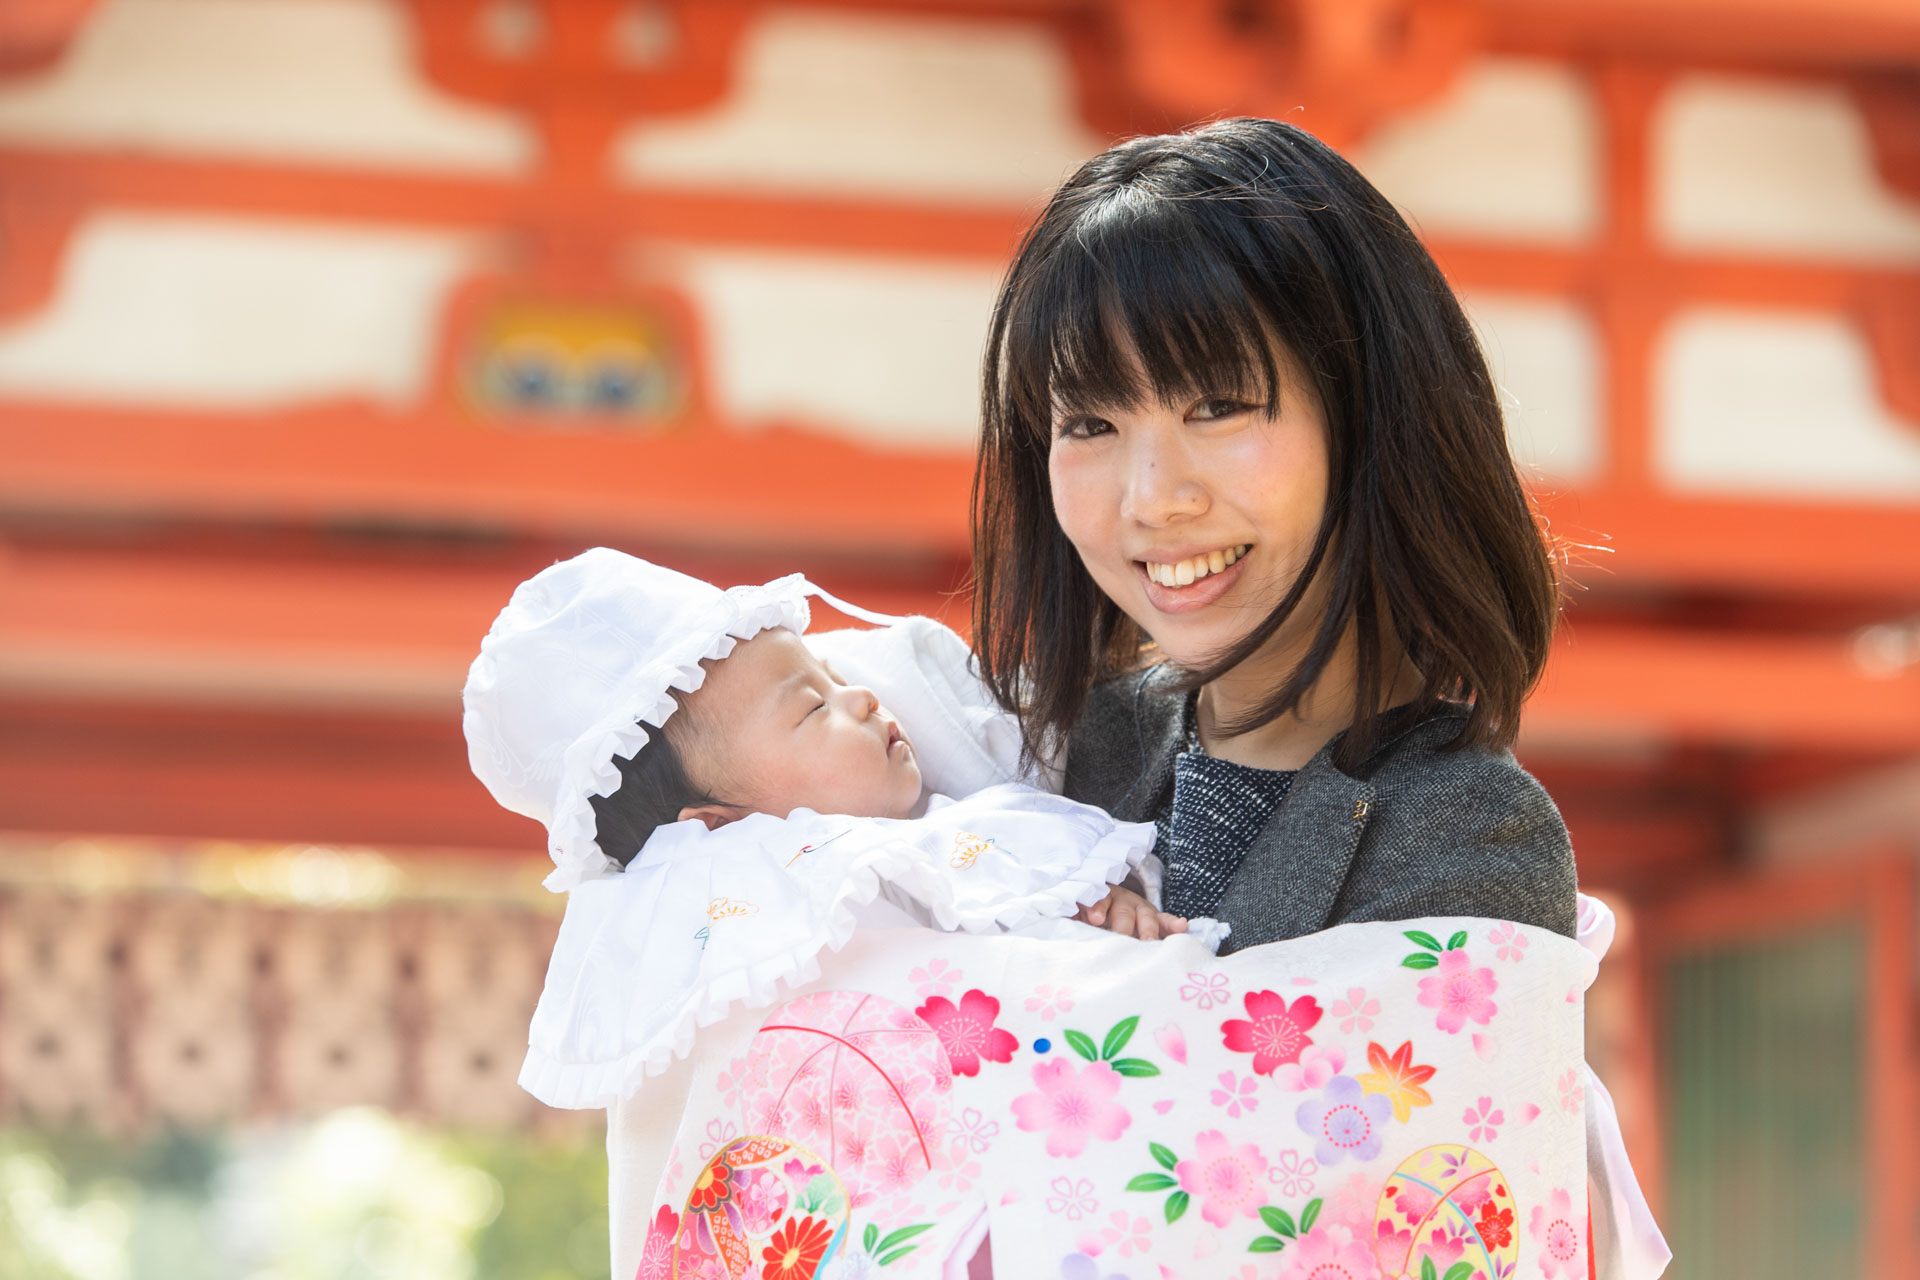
325, 322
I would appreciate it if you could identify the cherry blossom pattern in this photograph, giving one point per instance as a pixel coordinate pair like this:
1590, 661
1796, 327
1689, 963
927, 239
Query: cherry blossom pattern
1345, 1122
1483, 1121
1317, 1065
719, 1134
1292, 1173
1173, 1042
1274, 1031
1205, 990
938, 978
1072, 1199
1509, 942
1460, 992
1495, 1226
1125, 1233
966, 1031
1225, 1178
1557, 1237
1156, 1180
1048, 1001
1397, 1078
974, 1129
1072, 1105
1356, 1012
1569, 1086
1330, 1253
656, 1256
1235, 1094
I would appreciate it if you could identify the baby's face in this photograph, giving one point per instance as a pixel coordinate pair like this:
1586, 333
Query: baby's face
774, 730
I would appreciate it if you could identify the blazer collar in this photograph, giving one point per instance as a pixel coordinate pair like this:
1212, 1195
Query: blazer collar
1286, 885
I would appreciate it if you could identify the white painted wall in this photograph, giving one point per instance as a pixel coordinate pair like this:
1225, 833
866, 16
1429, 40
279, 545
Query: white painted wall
1777, 403
875, 104
333, 81
1747, 165
237, 314
1510, 151
1545, 358
881, 351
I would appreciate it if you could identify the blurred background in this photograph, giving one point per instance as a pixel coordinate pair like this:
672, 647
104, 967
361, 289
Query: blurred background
325, 322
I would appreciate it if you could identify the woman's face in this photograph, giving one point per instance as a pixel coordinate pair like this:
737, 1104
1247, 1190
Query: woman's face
1196, 518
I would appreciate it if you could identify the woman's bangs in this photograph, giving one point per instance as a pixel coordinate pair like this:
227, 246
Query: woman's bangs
1140, 305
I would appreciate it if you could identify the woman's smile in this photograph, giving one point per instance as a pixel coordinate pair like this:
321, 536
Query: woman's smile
1182, 584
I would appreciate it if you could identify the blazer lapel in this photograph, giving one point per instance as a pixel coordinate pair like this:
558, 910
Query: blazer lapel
1160, 720
1286, 885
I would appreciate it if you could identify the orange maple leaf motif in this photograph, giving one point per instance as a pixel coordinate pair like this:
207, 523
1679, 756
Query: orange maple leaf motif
1398, 1078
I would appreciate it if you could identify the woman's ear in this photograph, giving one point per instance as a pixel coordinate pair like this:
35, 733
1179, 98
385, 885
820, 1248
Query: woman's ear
714, 816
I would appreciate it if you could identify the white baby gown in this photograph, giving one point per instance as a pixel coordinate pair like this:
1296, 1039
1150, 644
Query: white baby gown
703, 921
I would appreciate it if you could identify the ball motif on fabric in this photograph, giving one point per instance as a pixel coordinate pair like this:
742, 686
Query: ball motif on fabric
1446, 1204
759, 1206
862, 1080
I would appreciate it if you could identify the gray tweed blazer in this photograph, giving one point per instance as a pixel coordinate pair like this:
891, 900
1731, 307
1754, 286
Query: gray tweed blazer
1416, 832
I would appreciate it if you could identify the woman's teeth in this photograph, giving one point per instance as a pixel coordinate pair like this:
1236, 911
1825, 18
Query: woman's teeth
1185, 573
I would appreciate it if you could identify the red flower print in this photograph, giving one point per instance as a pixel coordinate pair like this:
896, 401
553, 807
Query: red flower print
795, 1249
711, 1187
1495, 1228
656, 1257
1277, 1032
967, 1033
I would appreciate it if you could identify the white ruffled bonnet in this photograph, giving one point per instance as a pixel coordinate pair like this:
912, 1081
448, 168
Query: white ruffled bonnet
578, 666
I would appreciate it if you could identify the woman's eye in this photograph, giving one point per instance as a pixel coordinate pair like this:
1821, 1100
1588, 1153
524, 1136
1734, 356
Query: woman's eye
1082, 428
1218, 407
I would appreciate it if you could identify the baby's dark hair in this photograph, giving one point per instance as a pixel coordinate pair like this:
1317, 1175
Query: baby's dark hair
654, 788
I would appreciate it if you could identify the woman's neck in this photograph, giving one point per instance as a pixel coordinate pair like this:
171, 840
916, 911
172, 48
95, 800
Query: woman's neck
1289, 741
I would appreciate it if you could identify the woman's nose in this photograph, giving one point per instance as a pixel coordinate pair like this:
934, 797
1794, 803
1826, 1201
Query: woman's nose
1161, 487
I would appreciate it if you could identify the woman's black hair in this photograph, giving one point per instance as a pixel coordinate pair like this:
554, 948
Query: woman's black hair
654, 788
1171, 268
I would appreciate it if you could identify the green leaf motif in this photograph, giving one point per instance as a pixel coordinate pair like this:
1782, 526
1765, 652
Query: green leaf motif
896, 1238
1162, 1156
1177, 1205
1309, 1214
1152, 1182
822, 1195
887, 1259
1278, 1221
1266, 1244
1082, 1044
1427, 1270
1454, 943
1460, 1271
1118, 1037
1419, 960
1426, 940
872, 1236
1134, 1067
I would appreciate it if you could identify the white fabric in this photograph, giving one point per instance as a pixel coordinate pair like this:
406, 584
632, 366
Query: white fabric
704, 921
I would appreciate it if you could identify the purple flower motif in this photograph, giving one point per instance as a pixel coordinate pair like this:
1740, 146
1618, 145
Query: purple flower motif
1344, 1122
1484, 1120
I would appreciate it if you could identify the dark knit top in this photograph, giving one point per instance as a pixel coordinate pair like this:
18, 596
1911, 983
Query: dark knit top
1217, 811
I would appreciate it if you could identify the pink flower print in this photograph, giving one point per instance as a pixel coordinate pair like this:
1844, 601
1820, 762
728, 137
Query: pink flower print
1329, 1253
1073, 1199
1509, 941
1173, 1042
1445, 1246
974, 1129
938, 979
1317, 1065
656, 1256
1414, 1202
1046, 1000
732, 1081
1388, 1243
1236, 1098
1356, 1012
1072, 1105
1344, 1122
1130, 1235
1224, 1178
761, 1196
719, 1134
1293, 1174
1570, 1091
1483, 1121
1277, 1031
961, 1173
1206, 990
1459, 991
966, 1031
1553, 1231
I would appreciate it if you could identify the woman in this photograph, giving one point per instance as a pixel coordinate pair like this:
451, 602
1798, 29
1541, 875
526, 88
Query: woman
1251, 547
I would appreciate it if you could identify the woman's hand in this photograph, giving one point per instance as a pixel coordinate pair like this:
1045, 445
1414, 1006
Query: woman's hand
1124, 911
